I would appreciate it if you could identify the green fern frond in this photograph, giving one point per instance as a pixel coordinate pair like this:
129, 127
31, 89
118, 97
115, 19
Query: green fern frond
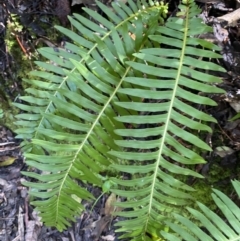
68, 119
218, 228
173, 76
82, 102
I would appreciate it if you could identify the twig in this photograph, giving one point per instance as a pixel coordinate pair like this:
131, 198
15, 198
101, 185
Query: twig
6, 143
230, 19
22, 47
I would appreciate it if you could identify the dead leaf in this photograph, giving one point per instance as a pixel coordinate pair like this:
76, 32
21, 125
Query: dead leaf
100, 226
20, 224
108, 238
6, 160
74, 2
235, 105
88, 2
32, 231
223, 151
109, 207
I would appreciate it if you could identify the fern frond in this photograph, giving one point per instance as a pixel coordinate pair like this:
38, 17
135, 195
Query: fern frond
68, 118
76, 117
216, 226
172, 76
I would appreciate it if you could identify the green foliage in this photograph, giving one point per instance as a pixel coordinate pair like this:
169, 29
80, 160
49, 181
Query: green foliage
217, 227
86, 114
203, 193
1, 113
237, 116
13, 33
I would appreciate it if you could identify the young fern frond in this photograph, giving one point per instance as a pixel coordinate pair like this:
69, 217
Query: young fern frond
82, 101
217, 228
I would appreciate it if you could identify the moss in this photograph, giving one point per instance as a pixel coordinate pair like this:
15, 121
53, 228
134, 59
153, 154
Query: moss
219, 178
218, 173
203, 193
8, 115
22, 64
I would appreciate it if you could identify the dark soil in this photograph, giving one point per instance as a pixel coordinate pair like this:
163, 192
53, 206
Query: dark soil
18, 220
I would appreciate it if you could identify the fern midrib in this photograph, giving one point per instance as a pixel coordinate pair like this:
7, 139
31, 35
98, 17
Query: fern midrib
167, 120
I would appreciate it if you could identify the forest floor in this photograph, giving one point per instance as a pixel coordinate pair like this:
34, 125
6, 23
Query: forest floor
26, 25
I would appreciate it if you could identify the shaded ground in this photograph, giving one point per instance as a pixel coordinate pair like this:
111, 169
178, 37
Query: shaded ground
18, 221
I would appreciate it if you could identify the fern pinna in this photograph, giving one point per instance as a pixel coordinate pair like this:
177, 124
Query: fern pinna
216, 225
76, 119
